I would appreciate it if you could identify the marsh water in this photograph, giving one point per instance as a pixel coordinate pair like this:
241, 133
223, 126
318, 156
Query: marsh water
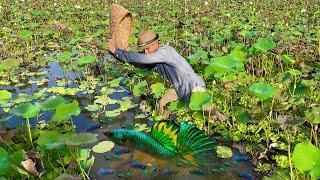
156, 167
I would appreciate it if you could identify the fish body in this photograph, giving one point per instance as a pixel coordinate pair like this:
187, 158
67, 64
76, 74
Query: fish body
170, 140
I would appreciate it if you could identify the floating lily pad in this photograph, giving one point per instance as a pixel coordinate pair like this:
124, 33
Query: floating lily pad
103, 147
63, 91
113, 113
79, 139
224, 152
141, 127
65, 111
26, 110
140, 116
4, 94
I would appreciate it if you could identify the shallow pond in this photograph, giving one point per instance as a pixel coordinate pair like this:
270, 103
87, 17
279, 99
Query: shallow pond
238, 167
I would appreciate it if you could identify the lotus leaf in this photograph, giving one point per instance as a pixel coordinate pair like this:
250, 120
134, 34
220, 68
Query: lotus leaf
65, 111
262, 90
4, 94
52, 104
103, 147
157, 89
199, 100
4, 162
26, 110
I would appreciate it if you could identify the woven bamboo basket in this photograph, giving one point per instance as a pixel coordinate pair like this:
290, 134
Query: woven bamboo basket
120, 25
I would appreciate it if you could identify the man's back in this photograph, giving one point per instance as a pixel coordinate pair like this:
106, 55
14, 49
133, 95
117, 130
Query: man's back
171, 65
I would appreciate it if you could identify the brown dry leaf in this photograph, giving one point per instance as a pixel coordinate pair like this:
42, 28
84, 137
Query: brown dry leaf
5, 136
33, 164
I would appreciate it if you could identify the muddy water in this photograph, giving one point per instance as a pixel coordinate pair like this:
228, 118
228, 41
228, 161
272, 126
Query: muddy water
121, 163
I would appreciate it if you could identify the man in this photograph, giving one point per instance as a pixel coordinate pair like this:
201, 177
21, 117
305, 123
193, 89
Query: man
167, 62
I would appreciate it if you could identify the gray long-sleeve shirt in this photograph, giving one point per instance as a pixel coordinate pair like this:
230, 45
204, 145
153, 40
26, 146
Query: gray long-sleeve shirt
168, 63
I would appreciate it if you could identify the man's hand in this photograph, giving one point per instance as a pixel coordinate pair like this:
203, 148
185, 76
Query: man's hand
112, 45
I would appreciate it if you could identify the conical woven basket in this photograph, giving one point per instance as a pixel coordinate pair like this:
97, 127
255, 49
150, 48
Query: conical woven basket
120, 25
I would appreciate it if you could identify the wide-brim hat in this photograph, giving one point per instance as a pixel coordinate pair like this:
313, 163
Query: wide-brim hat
120, 25
146, 38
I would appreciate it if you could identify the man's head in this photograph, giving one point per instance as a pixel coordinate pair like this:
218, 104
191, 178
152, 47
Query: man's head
148, 41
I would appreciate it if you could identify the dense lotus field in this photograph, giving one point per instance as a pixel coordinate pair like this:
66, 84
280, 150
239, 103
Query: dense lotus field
60, 88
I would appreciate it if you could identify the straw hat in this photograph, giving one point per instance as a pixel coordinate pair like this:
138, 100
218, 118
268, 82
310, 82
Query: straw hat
146, 38
120, 25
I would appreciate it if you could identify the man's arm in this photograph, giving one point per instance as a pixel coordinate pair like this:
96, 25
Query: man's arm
137, 58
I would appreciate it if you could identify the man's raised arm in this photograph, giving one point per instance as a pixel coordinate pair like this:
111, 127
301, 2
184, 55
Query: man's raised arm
157, 57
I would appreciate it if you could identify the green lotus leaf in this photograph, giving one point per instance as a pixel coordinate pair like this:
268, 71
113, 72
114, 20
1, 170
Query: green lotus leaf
4, 162
49, 139
287, 59
220, 66
177, 105
197, 56
64, 56
157, 89
264, 44
78, 139
306, 158
86, 60
52, 104
200, 99
63, 91
65, 111
115, 82
113, 113
139, 88
313, 116
25, 34
262, 90
103, 147
26, 110
16, 157
141, 127
224, 152
4, 94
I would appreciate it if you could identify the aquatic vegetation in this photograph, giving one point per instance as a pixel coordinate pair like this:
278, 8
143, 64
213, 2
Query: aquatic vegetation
260, 62
103, 147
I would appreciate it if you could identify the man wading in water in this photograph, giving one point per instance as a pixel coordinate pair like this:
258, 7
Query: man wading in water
167, 62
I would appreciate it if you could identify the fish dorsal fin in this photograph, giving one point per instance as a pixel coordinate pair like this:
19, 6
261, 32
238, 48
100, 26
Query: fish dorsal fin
165, 133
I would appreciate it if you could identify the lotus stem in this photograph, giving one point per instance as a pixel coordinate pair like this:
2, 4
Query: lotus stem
29, 132
289, 155
83, 173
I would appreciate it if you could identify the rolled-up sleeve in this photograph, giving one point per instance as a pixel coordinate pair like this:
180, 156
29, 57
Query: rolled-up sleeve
132, 57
